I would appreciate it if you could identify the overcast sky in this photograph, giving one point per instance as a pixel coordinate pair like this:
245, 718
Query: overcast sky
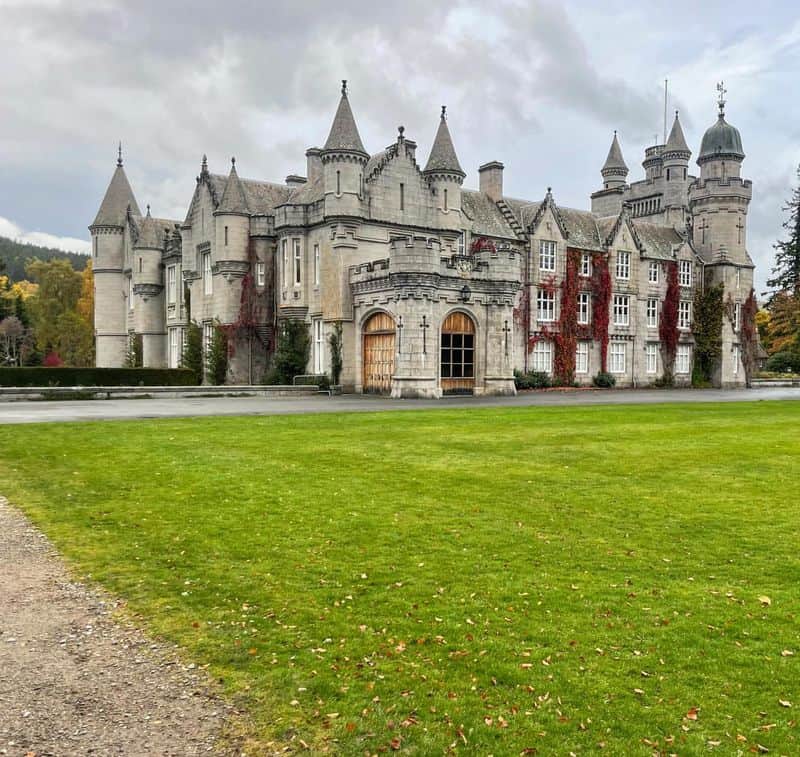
538, 85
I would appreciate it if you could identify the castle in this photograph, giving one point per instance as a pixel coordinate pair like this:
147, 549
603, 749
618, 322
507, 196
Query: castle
433, 288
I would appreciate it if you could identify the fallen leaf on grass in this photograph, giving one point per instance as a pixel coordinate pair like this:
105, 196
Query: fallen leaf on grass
765, 600
784, 703
787, 653
692, 714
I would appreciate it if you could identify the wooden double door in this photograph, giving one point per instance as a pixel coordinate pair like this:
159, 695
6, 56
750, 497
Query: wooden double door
378, 354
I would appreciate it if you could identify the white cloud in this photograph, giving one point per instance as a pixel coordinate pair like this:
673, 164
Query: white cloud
10, 230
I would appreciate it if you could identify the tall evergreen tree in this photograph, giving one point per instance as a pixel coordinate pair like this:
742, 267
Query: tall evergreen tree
786, 271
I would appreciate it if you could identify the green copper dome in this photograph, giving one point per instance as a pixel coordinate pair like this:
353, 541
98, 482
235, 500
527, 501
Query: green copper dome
721, 140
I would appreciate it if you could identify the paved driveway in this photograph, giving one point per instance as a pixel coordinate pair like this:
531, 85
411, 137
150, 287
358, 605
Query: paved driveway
41, 412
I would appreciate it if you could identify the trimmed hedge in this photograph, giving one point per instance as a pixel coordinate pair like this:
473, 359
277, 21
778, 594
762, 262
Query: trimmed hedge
39, 376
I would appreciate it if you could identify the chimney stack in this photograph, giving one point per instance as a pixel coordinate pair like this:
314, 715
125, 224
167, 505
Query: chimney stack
491, 179
314, 163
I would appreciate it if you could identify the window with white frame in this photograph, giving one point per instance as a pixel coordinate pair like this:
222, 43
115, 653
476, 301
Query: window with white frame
285, 257
586, 264
685, 273
738, 278
130, 293
172, 284
462, 243
298, 263
261, 274
547, 255
175, 346
735, 359
208, 334
319, 347
545, 305
737, 316
652, 313
684, 315
207, 280
543, 356
683, 359
623, 265
582, 357
584, 307
651, 352
617, 357
652, 272
621, 309
316, 265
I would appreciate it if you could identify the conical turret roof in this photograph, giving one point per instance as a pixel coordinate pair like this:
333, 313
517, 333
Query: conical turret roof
676, 141
443, 154
344, 132
233, 199
151, 235
614, 162
119, 195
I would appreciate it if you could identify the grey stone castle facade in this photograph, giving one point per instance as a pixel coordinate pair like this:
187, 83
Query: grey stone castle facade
436, 288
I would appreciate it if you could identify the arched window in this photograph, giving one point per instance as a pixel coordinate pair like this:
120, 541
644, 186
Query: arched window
457, 359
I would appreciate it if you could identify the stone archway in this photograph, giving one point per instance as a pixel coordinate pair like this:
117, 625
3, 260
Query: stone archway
378, 354
457, 354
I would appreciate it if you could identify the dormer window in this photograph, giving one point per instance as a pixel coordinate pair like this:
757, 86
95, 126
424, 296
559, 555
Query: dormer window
547, 255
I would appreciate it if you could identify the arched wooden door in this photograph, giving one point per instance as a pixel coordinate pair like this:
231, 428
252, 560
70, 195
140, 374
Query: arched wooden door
457, 364
378, 354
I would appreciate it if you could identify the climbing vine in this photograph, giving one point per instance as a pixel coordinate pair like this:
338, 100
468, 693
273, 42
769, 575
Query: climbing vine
482, 243
601, 299
566, 340
668, 323
748, 336
707, 330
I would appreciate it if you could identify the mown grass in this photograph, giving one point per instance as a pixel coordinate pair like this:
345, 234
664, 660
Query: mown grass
488, 581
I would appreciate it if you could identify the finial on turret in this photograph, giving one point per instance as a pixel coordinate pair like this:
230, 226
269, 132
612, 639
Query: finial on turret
444, 112
148, 210
344, 87
204, 164
721, 98
400, 130
233, 161
119, 154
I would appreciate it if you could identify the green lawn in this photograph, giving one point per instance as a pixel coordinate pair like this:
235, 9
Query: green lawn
488, 581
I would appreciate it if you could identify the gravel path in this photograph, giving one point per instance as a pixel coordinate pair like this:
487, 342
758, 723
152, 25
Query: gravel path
74, 681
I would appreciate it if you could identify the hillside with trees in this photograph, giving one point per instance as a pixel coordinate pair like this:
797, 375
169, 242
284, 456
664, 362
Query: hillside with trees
15, 256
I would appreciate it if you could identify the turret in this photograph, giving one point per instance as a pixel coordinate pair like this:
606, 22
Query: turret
675, 158
718, 203
445, 175
614, 170
343, 161
232, 230
148, 289
108, 252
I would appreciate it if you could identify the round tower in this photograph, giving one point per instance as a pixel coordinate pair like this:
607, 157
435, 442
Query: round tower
675, 160
148, 290
445, 175
343, 162
108, 255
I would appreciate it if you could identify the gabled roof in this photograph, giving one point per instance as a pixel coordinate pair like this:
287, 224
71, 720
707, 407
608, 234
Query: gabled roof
119, 195
657, 241
615, 162
549, 203
677, 142
624, 217
233, 199
344, 132
443, 154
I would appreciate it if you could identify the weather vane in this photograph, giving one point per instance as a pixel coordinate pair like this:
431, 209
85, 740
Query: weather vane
721, 99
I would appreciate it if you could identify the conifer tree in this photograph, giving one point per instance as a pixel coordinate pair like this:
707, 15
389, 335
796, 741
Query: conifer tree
786, 271
192, 357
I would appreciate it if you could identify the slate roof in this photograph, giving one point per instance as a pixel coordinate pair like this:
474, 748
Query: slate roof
261, 197
485, 215
524, 210
615, 161
344, 132
658, 241
233, 199
114, 208
676, 141
310, 192
443, 154
582, 228
150, 231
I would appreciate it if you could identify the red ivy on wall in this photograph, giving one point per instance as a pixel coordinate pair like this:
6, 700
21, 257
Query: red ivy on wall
482, 243
668, 323
566, 340
601, 299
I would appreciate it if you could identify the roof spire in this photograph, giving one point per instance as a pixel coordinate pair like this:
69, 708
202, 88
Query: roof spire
234, 198
676, 143
119, 154
443, 154
344, 132
615, 163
